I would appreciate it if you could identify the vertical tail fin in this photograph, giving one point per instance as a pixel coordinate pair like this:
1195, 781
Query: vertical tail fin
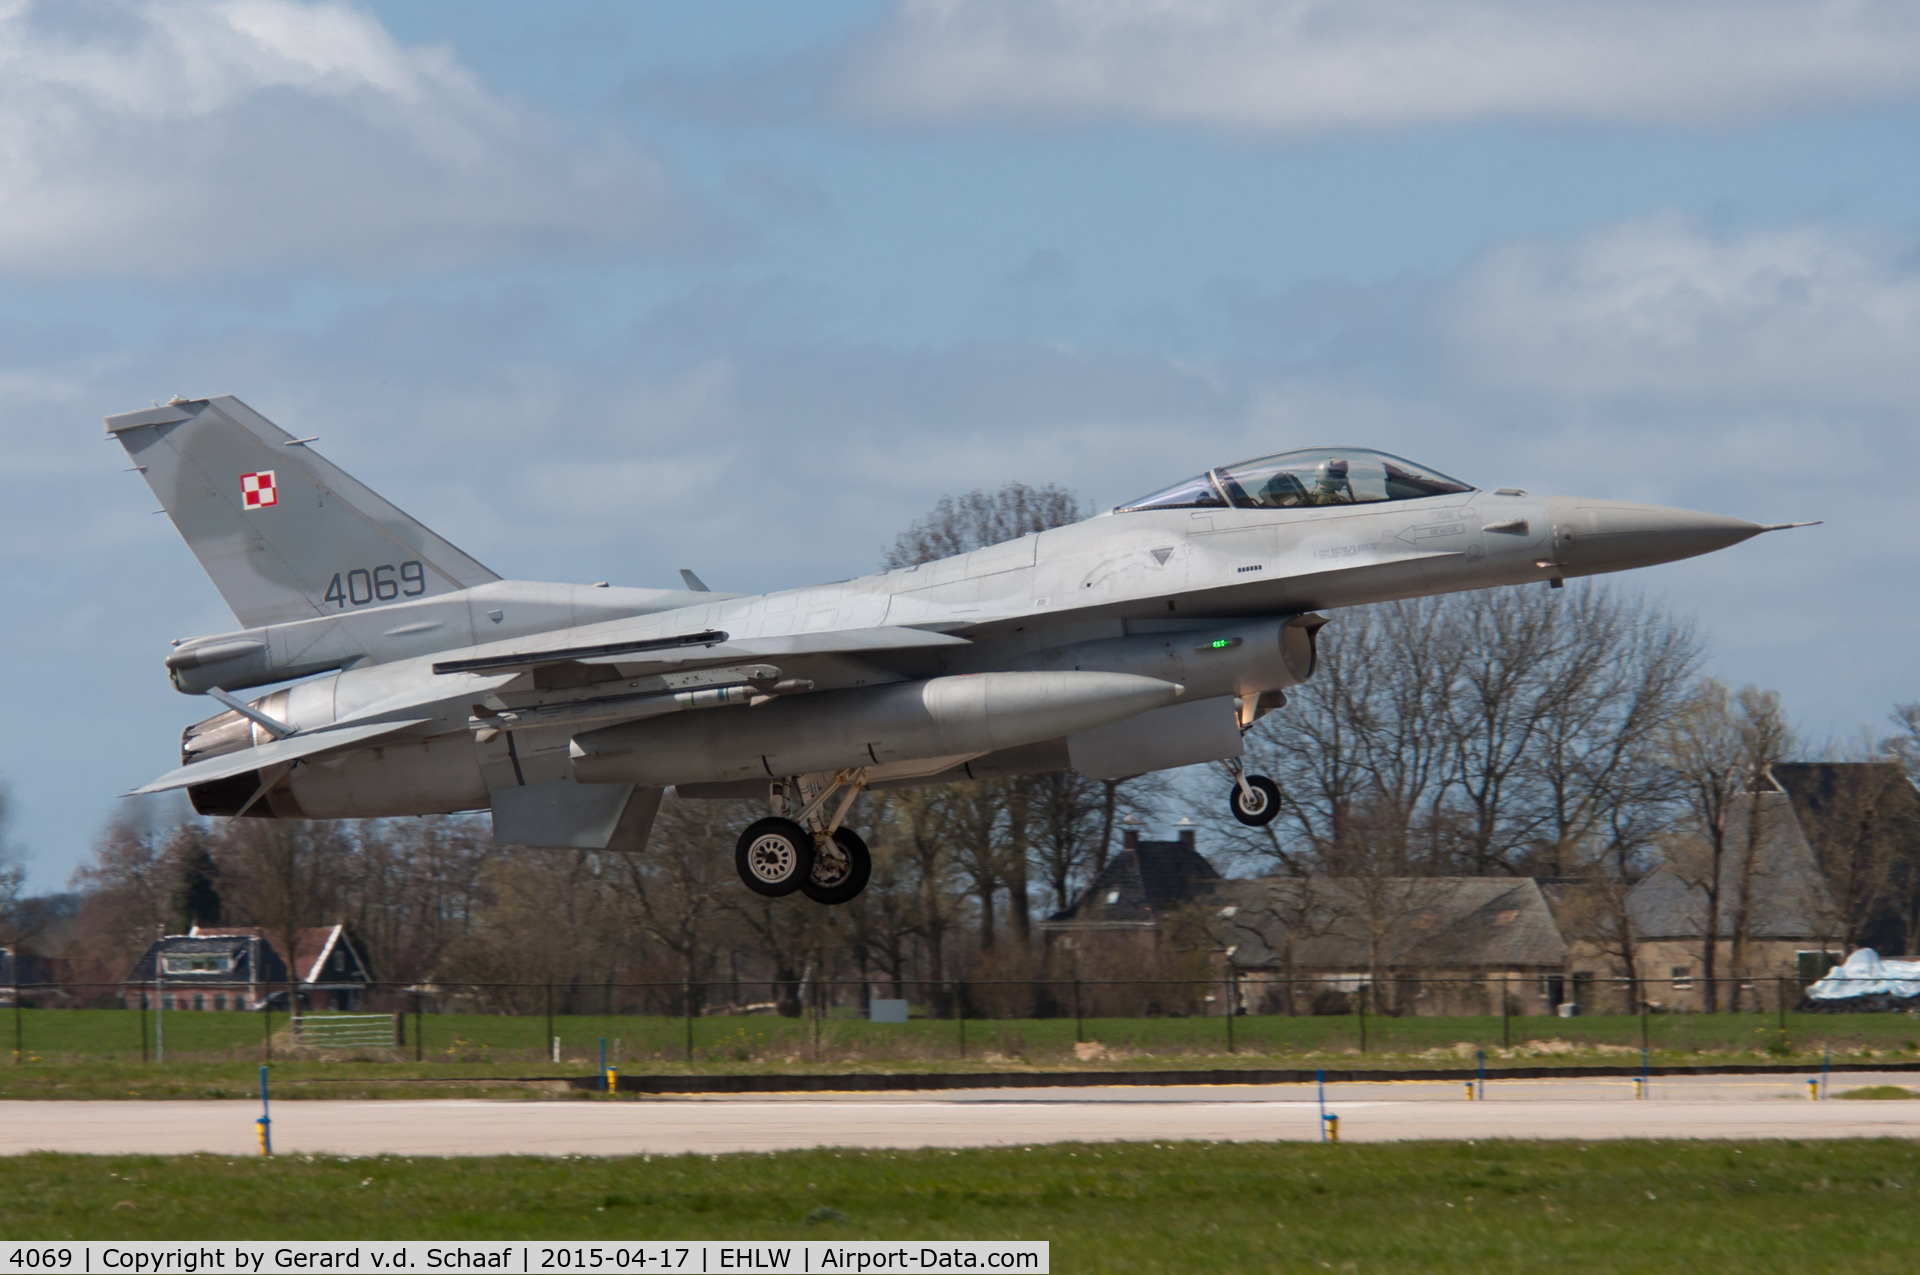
284, 534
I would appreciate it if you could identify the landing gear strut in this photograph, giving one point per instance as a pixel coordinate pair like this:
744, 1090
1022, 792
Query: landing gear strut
1255, 799
808, 852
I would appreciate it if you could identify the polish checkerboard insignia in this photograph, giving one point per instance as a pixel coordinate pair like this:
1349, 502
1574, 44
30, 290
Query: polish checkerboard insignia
257, 490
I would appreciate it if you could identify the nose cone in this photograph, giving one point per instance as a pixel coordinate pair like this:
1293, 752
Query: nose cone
1595, 536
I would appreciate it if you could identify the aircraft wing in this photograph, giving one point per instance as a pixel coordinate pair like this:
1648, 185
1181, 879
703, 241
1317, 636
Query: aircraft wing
709, 647
278, 752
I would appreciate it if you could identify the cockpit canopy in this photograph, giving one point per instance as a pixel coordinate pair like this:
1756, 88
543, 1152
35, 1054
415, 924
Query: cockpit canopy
1310, 477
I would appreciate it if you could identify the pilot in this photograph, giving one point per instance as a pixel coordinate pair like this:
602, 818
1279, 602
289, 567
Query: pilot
1330, 485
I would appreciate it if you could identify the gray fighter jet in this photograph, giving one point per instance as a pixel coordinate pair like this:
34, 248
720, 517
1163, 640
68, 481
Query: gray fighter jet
409, 679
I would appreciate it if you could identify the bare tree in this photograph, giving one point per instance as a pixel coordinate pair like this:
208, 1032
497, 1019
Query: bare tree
1067, 812
413, 888
975, 825
1719, 747
284, 877
1861, 816
676, 885
796, 939
548, 922
917, 826
1361, 750
994, 819
1629, 669
961, 524
886, 918
1499, 731
127, 888
1510, 669
1903, 746
13, 879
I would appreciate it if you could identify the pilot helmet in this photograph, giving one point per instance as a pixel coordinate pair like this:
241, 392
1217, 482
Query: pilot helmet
1332, 473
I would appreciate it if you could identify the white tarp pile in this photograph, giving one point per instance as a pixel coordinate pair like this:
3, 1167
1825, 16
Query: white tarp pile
1865, 974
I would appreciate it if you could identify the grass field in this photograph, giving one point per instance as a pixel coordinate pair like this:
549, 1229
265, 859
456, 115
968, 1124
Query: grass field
1759, 1206
654, 1042
96, 1053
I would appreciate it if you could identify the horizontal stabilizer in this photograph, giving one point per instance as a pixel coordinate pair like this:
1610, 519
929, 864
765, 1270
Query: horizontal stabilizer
279, 752
708, 649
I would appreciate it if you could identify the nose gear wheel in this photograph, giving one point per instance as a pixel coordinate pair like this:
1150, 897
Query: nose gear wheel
841, 867
774, 856
1255, 800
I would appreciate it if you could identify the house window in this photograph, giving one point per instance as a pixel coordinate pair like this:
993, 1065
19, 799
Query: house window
219, 1000
197, 963
1113, 896
1682, 978
200, 1000
1811, 967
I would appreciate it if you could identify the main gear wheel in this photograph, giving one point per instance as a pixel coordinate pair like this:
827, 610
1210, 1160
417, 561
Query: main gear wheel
841, 868
774, 856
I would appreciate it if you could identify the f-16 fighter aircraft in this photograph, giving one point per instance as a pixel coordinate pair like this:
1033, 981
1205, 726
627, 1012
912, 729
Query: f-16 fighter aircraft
412, 680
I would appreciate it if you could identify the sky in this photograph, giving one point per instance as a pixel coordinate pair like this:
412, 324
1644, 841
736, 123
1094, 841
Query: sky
599, 291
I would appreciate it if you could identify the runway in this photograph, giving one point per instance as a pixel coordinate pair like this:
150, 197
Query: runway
1680, 1107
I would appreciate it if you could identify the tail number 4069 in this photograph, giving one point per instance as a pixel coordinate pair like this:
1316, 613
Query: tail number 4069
378, 584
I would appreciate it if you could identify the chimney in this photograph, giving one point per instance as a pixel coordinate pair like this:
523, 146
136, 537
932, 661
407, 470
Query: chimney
1186, 838
1130, 838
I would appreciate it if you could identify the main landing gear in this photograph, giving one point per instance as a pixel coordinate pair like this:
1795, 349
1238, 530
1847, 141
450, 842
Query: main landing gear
1255, 799
828, 863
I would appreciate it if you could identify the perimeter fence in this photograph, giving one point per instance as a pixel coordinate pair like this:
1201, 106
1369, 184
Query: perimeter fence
571, 1022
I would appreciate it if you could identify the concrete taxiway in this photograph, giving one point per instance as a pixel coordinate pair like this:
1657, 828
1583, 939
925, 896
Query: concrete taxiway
1679, 1107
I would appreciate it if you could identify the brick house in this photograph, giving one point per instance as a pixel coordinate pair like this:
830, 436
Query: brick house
1777, 927
1432, 945
243, 967
1416, 945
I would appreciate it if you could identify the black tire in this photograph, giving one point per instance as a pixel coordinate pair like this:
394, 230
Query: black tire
840, 871
774, 856
1265, 806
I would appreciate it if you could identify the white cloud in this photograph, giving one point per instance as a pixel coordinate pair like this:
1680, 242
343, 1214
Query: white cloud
1305, 65
175, 136
1662, 308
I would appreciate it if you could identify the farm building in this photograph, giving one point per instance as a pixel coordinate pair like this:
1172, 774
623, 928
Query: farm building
243, 967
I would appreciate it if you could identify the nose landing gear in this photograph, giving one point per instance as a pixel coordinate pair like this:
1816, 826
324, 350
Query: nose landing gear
1255, 799
828, 863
